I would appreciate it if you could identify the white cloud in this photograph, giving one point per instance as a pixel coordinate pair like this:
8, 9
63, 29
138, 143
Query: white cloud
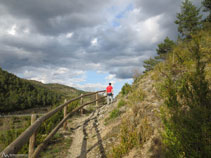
12, 30
91, 86
110, 77
61, 70
53, 75
94, 42
69, 35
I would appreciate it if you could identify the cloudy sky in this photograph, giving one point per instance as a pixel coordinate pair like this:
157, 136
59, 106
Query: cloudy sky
83, 43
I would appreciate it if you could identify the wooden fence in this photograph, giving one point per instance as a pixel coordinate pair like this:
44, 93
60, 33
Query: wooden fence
30, 133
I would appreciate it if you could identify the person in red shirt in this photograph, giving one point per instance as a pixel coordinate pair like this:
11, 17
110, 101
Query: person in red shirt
109, 91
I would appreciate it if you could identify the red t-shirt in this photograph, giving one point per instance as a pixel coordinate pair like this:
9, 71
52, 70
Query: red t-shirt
109, 89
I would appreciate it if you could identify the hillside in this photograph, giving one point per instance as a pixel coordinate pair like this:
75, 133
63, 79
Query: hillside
19, 94
164, 113
64, 90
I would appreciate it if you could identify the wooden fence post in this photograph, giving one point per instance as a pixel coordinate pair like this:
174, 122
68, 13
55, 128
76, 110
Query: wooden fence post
65, 114
33, 137
97, 99
82, 103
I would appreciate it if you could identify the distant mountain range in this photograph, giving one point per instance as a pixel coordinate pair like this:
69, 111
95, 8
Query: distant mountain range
18, 94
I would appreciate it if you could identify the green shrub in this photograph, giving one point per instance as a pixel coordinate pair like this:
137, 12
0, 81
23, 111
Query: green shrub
126, 89
115, 113
187, 114
49, 124
121, 103
129, 138
136, 97
6, 137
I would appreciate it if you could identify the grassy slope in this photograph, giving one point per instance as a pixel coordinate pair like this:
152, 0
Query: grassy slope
142, 125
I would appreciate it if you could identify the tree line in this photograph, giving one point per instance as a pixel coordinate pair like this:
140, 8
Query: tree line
18, 94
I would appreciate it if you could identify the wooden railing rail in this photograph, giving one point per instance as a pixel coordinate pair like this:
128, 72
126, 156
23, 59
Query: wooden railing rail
18, 143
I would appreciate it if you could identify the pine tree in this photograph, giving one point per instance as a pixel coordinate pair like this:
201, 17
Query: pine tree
207, 8
150, 64
165, 47
189, 19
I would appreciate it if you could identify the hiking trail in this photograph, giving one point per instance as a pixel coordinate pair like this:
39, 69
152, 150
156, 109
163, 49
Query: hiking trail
88, 132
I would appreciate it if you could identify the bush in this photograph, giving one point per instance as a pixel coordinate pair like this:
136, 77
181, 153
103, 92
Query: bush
6, 137
115, 113
129, 138
121, 103
187, 114
136, 97
126, 89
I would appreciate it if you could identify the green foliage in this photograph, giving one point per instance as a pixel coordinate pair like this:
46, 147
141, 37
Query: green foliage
6, 137
121, 103
49, 124
114, 114
187, 100
131, 135
60, 143
150, 64
207, 5
136, 97
165, 47
66, 91
17, 94
126, 89
129, 138
189, 19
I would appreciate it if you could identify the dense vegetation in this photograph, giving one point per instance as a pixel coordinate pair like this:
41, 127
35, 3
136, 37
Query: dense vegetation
182, 78
18, 94
186, 91
185, 87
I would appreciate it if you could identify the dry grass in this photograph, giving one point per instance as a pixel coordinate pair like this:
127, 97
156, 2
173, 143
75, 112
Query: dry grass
141, 120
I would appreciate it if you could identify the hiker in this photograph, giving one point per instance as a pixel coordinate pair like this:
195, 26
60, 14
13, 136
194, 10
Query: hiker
109, 91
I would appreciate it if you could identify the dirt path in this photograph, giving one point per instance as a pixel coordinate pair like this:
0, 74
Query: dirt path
88, 133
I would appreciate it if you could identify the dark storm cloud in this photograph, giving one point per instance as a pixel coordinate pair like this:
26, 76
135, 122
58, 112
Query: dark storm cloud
52, 17
152, 8
48, 36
